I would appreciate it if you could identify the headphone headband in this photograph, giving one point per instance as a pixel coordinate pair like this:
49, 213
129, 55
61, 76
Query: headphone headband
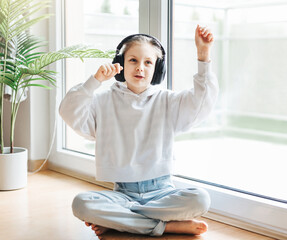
126, 39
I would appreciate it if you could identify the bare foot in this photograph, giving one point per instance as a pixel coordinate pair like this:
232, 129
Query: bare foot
193, 227
99, 230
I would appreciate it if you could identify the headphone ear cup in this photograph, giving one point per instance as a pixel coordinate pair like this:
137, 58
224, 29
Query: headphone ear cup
159, 72
119, 58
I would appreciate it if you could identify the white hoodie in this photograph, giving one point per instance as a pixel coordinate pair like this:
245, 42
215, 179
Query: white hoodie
134, 133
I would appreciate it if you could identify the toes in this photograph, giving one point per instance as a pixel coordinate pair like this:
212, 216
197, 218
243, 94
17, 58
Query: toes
88, 224
202, 227
95, 227
198, 227
98, 232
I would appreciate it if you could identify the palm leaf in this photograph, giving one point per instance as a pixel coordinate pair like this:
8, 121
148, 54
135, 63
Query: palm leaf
18, 16
18, 7
36, 85
26, 44
27, 81
10, 66
8, 79
76, 51
27, 11
20, 56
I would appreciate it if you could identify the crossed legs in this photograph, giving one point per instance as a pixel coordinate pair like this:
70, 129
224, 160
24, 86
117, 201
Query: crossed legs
172, 211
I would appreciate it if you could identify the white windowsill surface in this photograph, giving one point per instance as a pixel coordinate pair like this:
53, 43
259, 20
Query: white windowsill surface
254, 166
249, 165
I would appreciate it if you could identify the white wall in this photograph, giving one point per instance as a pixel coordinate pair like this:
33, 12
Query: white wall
38, 108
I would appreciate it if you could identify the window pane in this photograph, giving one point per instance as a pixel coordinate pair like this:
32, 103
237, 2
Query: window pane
184, 52
243, 144
103, 24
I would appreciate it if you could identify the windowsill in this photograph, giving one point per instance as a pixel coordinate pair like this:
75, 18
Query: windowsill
181, 182
244, 164
244, 211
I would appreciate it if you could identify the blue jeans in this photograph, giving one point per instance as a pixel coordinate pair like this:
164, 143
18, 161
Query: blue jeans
141, 207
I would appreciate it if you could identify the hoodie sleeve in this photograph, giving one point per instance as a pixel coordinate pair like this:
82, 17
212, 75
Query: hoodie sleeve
190, 107
77, 108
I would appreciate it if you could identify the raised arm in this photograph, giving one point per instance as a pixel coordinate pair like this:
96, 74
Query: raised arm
192, 106
203, 41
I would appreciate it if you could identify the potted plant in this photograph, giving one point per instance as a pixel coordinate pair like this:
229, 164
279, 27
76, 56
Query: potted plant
23, 66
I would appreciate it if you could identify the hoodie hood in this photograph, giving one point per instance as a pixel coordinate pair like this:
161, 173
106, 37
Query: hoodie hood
122, 87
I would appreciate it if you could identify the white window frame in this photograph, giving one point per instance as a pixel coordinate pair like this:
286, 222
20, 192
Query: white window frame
238, 209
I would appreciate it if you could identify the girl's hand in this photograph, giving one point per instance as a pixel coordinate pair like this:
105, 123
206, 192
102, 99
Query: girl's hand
107, 71
203, 41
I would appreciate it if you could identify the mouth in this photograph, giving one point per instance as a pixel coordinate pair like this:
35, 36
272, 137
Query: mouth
139, 76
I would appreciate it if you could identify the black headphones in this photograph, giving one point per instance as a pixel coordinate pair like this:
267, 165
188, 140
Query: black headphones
160, 68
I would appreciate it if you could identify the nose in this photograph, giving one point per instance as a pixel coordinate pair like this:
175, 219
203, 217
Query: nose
140, 67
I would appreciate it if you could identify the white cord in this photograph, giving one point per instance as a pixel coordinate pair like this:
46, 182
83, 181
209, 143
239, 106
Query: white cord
51, 146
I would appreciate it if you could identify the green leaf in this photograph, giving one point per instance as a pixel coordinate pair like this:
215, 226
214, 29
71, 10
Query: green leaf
17, 16
77, 51
36, 85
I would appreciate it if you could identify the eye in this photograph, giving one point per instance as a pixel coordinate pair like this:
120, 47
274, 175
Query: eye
132, 60
148, 62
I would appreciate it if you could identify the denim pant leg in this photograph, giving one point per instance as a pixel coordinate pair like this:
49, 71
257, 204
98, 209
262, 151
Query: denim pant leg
111, 209
159, 199
174, 204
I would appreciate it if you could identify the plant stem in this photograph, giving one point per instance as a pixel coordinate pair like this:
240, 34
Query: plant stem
2, 87
1, 117
12, 121
12, 133
14, 110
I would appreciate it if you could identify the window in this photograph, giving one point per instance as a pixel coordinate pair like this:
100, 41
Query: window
100, 23
242, 146
246, 135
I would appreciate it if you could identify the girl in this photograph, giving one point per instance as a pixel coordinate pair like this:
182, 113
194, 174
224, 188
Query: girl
134, 124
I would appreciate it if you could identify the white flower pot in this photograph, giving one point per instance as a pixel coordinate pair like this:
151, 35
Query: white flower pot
13, 168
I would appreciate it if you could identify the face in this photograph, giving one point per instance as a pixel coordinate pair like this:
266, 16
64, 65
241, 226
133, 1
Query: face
139, 65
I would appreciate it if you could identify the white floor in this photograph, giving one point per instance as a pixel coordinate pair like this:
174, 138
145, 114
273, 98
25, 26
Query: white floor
253, 166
